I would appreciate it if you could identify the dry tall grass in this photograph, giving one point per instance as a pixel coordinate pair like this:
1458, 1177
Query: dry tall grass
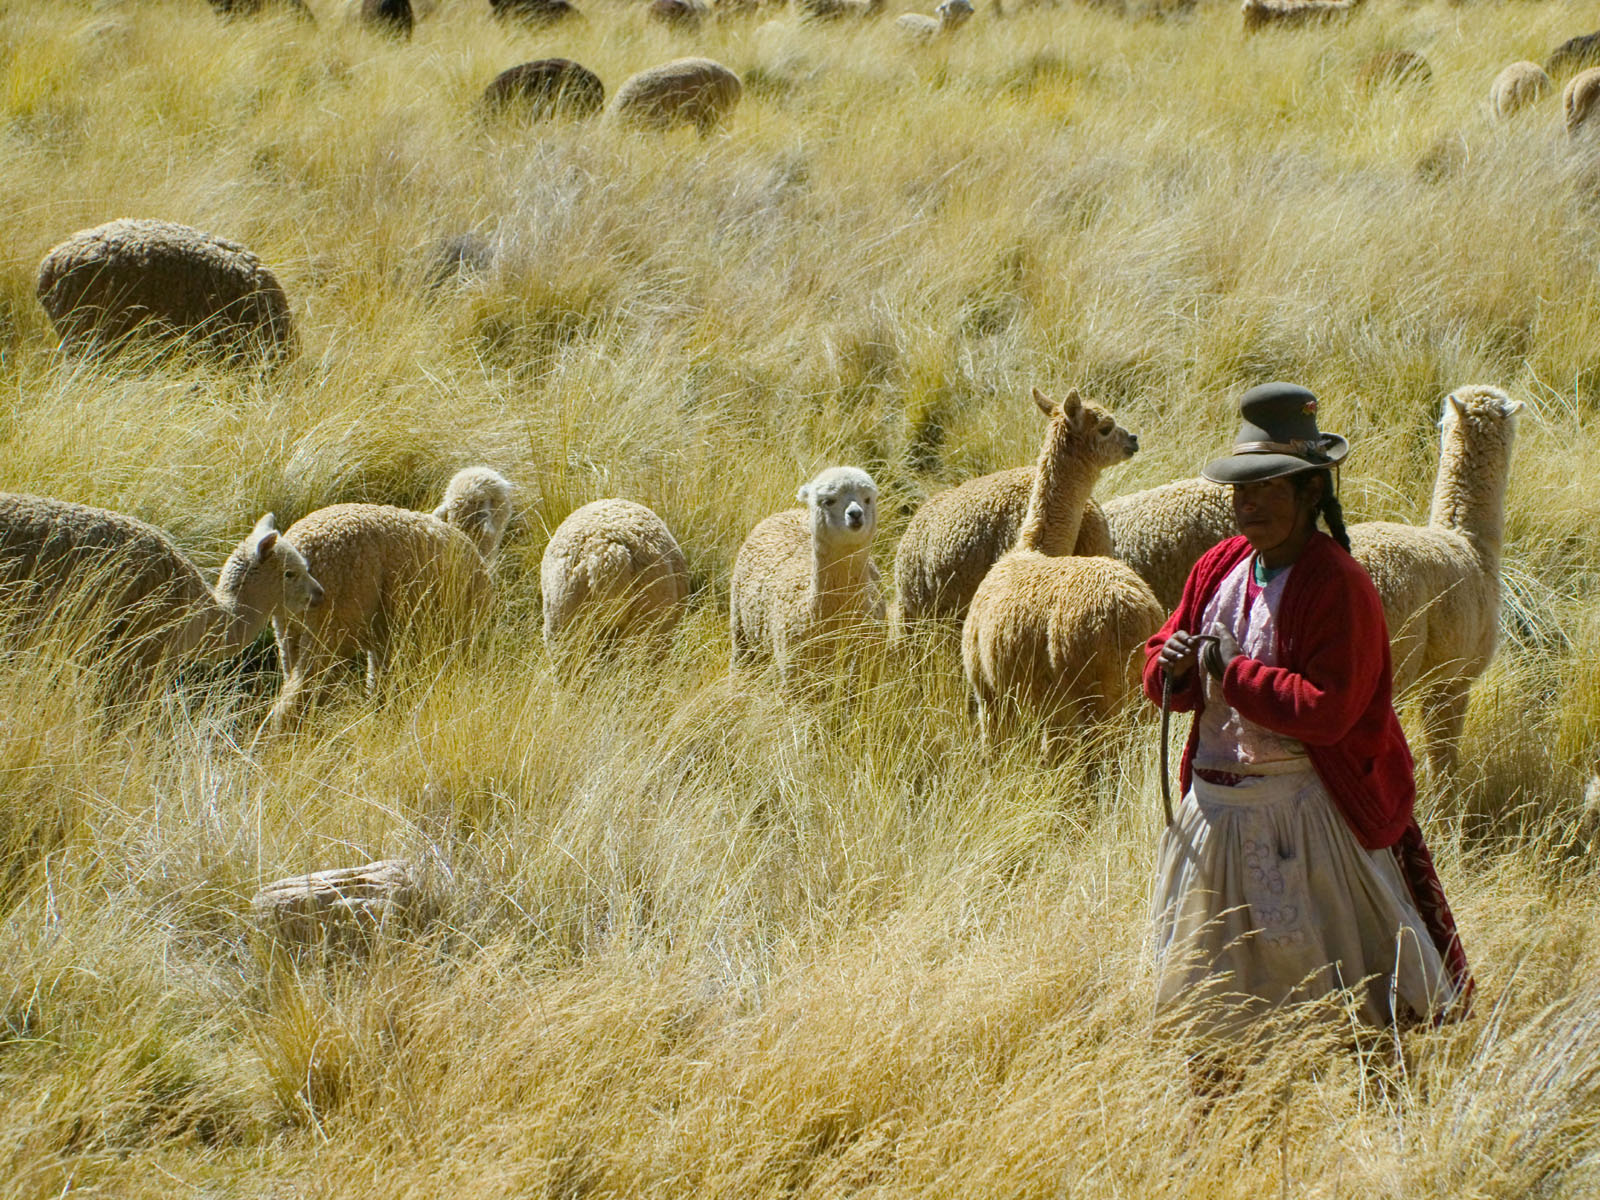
699, 941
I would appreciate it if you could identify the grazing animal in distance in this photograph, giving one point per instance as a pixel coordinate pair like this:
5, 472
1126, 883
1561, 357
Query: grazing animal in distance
393, 17
685, 15
1516, 87
947, 18
1285, 14
1574, 54
158, 282
546, 88
1578, 100
685, 91
534, 12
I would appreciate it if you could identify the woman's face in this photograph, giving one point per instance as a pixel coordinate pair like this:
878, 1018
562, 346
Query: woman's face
1272, 514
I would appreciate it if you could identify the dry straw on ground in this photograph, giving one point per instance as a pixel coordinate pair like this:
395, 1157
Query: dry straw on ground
698, 941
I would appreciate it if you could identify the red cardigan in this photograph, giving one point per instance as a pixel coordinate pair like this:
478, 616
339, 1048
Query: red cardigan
1333, 690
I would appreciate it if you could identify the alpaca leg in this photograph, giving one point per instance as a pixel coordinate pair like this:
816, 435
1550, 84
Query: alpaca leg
1444, 713
305, 678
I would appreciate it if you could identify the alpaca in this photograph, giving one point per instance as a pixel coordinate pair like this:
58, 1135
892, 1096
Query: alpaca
130, 280
1578, 99
1161, 532
1518, 86
385, 572
613, 570
948, 17
953, 540
1258, 14
685, 91
804, 581
1053, 636
1440, 583
146, 605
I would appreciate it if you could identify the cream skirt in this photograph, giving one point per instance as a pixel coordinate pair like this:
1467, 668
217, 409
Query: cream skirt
1264, 897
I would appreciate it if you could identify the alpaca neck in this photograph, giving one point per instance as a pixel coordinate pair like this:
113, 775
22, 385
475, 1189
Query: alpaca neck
1062, 486
227, 627
1469, 497
835, 576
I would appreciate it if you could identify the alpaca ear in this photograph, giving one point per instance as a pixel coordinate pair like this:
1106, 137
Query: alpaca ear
1072, 405
1046, 405
804, 494
1514, 407
1455, 403
264, 537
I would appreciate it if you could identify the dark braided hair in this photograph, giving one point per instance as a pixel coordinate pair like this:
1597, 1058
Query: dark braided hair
1331, 511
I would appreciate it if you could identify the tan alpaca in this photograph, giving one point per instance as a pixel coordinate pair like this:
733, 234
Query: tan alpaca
1053, 636
1440, 583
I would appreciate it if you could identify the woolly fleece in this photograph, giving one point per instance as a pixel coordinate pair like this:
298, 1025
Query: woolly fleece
1161, 532
384, 570
153, 280
615, 564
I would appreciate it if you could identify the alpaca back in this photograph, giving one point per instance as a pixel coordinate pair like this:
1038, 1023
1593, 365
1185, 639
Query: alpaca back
383, 568
957, 535
1058, 635
1441, 607
115, 572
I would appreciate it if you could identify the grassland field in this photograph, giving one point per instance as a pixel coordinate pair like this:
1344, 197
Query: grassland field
698, 940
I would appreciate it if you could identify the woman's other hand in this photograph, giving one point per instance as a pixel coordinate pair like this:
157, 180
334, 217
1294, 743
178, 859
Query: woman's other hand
1178, 655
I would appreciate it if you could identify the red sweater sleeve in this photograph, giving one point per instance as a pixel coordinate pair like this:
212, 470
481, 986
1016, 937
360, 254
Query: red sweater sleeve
1341, 659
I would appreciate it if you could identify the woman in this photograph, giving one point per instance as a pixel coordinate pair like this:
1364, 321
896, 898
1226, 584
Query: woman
1294, 866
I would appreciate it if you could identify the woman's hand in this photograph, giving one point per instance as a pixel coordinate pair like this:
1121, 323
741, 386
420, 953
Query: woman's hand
1178, 656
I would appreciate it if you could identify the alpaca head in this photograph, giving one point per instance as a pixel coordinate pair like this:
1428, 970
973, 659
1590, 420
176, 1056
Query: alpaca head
843, 504
477, 501
1084, 432
954, 13
265, 573
1483, 416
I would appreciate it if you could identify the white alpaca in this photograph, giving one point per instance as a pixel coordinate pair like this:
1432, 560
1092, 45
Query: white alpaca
804, 583
613, 569
477, 501
1440, 583
1053, 636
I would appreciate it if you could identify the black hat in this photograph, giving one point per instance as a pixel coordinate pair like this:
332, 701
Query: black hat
1279, 436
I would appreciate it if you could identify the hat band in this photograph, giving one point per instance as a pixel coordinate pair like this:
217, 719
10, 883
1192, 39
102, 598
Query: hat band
1299, 447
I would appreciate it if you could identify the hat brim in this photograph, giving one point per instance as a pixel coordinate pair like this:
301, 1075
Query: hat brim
1253, 468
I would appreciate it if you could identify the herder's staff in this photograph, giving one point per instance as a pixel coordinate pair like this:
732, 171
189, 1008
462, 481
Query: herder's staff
1166, 725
